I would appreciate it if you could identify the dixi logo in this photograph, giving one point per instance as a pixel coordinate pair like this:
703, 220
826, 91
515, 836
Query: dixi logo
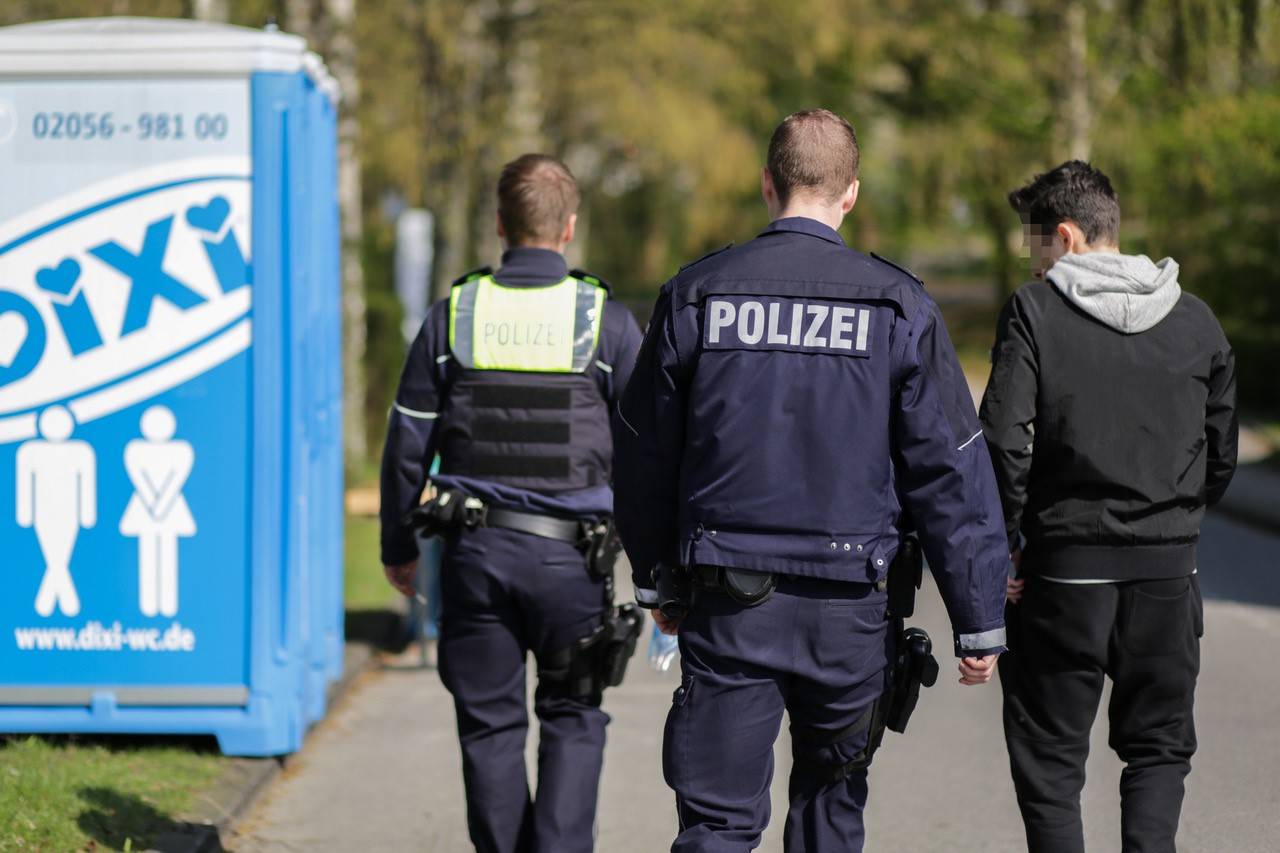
100, 294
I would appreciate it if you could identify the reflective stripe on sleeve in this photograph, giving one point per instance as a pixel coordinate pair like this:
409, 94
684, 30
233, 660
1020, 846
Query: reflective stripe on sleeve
413, 413
971, 440
985, 640
647, 597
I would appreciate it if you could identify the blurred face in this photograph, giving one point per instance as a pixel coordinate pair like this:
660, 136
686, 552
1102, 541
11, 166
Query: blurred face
1043, 247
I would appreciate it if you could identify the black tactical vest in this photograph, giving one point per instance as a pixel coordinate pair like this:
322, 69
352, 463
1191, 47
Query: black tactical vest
524, 409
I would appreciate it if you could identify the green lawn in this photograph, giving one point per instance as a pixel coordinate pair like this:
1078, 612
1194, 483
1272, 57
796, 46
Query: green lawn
63, 794
103, 793
364, 584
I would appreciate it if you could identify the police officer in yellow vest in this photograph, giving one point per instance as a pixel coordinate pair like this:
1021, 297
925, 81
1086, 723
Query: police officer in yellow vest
511, 381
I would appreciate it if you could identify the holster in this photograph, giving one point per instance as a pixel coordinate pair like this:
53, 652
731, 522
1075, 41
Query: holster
913, 666
603, 546
906, 573
447, 511
587, 666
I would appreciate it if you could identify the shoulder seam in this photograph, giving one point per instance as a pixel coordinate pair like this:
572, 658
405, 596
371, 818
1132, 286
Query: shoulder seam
898, 267
710, 254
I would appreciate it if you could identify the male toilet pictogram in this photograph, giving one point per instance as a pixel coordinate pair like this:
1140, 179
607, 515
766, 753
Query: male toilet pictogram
57, 495
157, 514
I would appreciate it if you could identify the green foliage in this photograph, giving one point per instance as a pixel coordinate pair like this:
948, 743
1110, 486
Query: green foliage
663, 108
96, 793
1214, 204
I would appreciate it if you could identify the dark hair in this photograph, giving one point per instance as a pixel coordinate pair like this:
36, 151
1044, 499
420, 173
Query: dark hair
814, 150
1074, 191
536, 196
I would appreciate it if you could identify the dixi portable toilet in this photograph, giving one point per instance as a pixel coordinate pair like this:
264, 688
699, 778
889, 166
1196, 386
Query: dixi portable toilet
170, 437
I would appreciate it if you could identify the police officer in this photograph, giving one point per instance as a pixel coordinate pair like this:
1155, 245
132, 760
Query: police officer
510, 381
792, 401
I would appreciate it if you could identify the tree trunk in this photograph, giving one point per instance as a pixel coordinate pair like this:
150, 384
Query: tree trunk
453, 100
328, 26
1249, 15
1180, 50
1079, 112
341, 56
210, 10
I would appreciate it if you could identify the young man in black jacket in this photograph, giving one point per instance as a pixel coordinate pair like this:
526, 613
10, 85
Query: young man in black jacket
1111, 419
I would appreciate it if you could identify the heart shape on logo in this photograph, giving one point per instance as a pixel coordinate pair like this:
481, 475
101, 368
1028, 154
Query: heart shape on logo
210, 217
13, 334
59, 279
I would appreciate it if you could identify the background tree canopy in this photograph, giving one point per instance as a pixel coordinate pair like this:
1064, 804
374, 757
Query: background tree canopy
663, 109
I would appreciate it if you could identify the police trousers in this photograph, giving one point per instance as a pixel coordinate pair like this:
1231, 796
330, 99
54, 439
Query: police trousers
817, 650
1064, 640
506, 594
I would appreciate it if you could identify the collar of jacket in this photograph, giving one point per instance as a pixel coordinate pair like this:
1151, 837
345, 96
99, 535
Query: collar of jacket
804, 225
531, 267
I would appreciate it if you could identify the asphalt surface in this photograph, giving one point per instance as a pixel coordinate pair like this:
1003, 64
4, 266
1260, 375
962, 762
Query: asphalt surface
382, 772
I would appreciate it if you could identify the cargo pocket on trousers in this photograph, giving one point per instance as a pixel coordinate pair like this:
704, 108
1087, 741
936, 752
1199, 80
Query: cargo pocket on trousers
1158, 624
674, 754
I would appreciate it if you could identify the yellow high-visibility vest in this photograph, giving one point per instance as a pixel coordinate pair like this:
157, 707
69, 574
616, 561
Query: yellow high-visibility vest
550, 329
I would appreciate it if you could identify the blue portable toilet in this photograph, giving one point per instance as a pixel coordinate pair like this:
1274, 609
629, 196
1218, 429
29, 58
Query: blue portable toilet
170, 382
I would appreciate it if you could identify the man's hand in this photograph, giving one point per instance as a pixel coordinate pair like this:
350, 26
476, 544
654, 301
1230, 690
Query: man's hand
977, 670
1013, 589
401, 577
666, 624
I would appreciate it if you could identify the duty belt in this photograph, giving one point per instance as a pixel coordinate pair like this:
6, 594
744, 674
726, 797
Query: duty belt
452, 510
546, 526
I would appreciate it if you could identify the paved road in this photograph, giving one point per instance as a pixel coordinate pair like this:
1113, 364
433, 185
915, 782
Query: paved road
382, 773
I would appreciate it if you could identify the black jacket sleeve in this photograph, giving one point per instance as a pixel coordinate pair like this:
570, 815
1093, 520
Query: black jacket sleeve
1221, 426
1009, 411
410, 445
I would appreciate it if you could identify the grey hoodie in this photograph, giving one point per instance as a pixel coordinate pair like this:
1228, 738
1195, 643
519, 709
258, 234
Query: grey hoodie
1129, 293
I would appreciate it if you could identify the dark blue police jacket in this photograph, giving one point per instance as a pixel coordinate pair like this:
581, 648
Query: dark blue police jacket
793, 404
423, 395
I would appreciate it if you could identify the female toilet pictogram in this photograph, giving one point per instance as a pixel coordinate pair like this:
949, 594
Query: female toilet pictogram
157, 514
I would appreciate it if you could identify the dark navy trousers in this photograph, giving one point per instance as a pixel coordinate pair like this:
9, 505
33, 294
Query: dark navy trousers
506, 594
817, 650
